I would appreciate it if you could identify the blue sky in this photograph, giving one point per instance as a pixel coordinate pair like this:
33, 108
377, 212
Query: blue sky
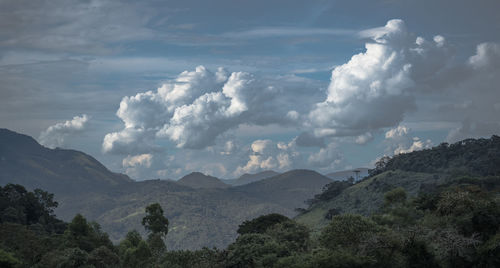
325, 85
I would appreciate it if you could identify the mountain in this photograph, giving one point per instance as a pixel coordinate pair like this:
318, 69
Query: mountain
24, 161
249, 178
289, 189
357, 174
199, 180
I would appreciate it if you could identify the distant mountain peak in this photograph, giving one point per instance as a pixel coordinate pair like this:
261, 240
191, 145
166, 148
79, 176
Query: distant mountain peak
199, 180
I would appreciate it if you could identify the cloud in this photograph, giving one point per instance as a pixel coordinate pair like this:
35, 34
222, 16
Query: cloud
399, 76
398, 132
139, 166
55, 136
74, 26
399, 141
473, 129
364, 138
266, 32
329, 157
376, 89
137, 160
307, 139
198, 106
487, 56
472, 100
266, 154
230, 147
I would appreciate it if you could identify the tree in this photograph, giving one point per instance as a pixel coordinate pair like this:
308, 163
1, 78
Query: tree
154, 221
394, 197
347, 230
261, 224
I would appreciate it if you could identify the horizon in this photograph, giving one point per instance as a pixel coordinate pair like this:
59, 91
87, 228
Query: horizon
159, 90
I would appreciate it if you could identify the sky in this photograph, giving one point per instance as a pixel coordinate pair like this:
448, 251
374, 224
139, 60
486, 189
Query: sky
159, 89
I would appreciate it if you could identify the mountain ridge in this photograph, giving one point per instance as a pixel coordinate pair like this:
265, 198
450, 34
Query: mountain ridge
249, 178
57, 170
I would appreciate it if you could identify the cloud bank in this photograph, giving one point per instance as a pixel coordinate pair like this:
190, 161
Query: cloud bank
373, 93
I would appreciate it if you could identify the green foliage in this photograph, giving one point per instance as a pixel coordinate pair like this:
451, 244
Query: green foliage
338, 259
489, 252
17, 205
261, 224
84, 235
65, 258
156, 244
293, 236
254, 250
7, 260
103, 257
134, 251
154, 221
330, 191
346, 230
470, 156
394, 197
418, 254
194, 259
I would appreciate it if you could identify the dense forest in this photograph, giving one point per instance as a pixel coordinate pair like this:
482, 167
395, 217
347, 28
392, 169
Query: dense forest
480, 157
451, 224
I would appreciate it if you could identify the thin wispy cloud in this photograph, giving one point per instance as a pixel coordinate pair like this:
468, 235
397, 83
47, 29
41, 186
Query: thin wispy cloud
270, 32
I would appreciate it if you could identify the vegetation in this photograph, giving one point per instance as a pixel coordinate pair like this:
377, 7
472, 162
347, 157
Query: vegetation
423, 219
456, 225
479, 157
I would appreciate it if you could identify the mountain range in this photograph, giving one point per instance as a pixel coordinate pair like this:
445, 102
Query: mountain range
203, 211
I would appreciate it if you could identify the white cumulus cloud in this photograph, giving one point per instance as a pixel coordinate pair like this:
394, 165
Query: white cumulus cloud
399, 141
55, 136
329, 157
375, 89
198, 106
137, 160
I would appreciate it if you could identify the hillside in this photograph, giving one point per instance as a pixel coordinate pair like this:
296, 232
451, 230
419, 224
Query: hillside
249, 178
289, 189
198, 217
24, 161
199, 180
416, 172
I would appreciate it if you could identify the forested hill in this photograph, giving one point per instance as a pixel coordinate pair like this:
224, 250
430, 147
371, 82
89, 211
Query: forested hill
419, 172
480, 157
